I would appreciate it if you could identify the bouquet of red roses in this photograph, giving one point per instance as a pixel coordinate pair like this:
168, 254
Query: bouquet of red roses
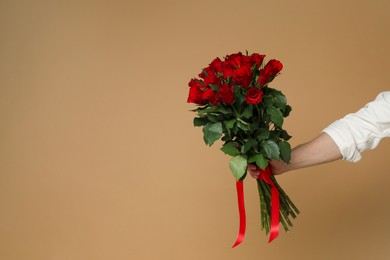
236, 105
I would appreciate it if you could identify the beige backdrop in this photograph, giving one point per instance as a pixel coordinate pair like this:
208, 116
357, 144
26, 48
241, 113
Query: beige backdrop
98, 155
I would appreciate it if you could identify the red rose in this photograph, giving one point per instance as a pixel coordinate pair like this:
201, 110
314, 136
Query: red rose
246, 61
257, 59
210, 95
242, 76
235, 59
263, 77
227, 70
211, 79
254, 96
270, 70
216, 65
196, 83
206, 72
226, 94
209, 76
195, 96
273, 67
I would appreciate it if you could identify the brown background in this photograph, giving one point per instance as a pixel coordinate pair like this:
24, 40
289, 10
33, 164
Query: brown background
98, 155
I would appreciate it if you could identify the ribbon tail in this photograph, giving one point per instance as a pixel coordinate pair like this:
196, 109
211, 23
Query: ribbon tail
241, 210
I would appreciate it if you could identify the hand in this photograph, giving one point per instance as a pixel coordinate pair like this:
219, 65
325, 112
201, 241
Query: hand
253, 170
277, 167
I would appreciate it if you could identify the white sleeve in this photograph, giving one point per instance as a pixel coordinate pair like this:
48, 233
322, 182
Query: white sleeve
362, 130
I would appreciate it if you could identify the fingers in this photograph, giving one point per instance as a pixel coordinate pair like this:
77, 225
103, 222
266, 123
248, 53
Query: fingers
277, 167
253, 171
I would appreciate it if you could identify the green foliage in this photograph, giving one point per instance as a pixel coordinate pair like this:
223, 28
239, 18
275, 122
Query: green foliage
238, 166
214, 87
247, 111
230, 123
271, 149
267, 100
212, 132
285, 151
262, 134
259, 159
229, 126
224, 110
230, 148
284, 135
248, 145
287, 111
276, 115
243, 125
200, 121
280, 100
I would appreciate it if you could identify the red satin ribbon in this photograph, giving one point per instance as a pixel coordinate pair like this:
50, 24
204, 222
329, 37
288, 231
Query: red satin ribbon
241, 210
265, 175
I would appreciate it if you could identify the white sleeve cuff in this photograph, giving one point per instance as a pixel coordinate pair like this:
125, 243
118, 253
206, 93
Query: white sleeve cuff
341, 135
363, 130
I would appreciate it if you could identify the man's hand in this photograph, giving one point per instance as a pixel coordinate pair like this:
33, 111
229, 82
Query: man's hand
253, 170
277, 167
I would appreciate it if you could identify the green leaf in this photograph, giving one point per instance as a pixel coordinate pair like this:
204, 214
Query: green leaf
280, 100
242, 124
285, 151
214, 87
275, 134
224, 110
267, 100
212, 132
276, 115
206, 110
230, 123
235, 129
259, 159
248, 111
238, 165
239, 98
248, 145
225, 138
285, 136
262, 134
230, 149
271, 149
196, 110
228, 126
213, 118
287, 111
199, 121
